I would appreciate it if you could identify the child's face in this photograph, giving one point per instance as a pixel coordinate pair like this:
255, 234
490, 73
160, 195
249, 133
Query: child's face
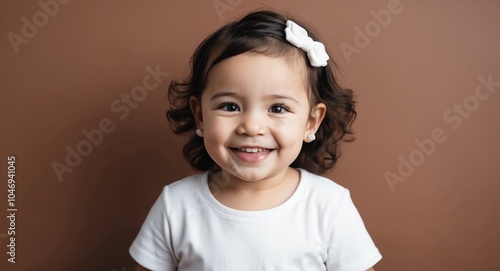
255, 115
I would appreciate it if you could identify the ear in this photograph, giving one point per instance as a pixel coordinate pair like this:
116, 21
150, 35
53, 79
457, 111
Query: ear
315, 118
195, 106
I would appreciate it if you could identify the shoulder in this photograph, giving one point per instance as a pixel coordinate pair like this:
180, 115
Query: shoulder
186, 183
323, 193
183, 189
322, 186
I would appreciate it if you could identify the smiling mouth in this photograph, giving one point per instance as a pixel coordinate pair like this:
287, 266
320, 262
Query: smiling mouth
251, 154
251, 149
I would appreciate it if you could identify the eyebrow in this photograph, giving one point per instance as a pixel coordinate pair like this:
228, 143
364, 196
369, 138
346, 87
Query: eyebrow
234, 94
222, 94
276, 96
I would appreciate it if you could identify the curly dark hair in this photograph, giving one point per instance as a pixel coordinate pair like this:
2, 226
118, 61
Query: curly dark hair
263, 32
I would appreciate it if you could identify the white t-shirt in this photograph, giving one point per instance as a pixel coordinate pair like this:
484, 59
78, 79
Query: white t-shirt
317, 228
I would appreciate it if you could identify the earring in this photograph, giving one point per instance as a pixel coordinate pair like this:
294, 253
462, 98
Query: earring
199, 132
311, 137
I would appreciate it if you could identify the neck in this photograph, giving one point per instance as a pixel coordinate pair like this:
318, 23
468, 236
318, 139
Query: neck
223, 181
253, 195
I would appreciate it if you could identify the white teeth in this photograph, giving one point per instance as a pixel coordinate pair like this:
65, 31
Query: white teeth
251, 149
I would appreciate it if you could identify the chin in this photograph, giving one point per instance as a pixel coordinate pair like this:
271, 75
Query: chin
250, 177
253, 175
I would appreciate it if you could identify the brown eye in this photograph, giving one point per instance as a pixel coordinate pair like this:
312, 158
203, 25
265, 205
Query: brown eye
279, 109
230, 107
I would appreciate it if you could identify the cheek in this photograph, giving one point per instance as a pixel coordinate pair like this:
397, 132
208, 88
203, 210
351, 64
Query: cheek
215, 132
282, 124
290, 132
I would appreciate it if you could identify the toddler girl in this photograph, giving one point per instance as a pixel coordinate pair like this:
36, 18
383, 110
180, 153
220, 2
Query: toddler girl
265, 115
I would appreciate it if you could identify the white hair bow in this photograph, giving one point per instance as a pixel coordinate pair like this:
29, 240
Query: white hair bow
315, 50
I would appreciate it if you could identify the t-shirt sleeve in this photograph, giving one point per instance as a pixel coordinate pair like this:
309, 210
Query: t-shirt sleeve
350, 247
152, 247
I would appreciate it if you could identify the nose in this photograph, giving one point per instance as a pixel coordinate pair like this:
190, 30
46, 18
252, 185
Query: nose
252, 124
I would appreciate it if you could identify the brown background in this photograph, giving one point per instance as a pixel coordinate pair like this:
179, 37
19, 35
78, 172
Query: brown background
444, 216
